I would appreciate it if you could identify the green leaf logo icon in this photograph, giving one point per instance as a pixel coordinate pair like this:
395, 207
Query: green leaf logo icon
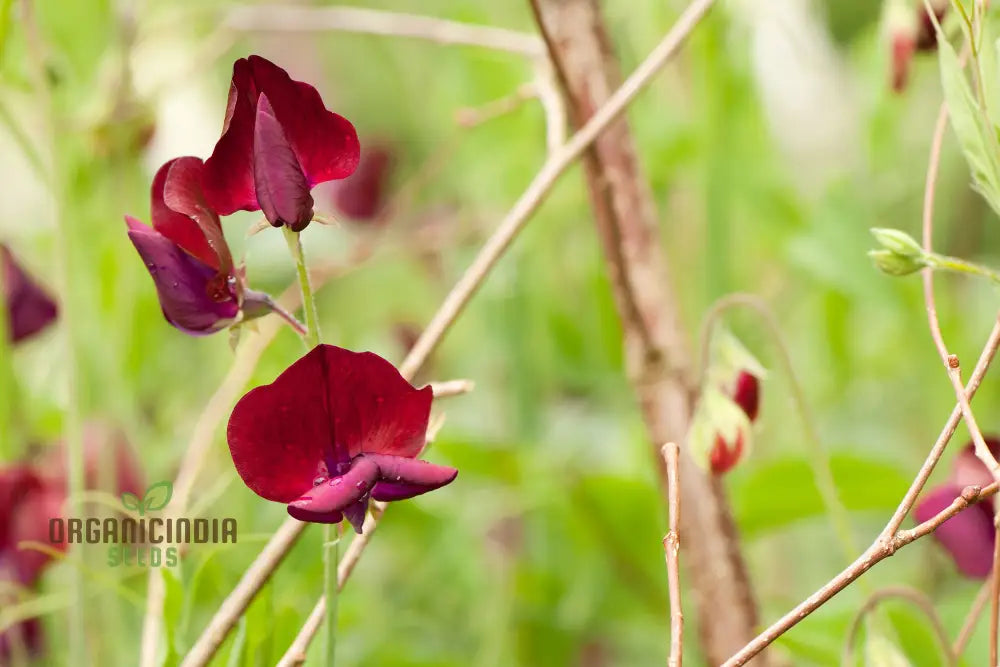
156, 498
130, 501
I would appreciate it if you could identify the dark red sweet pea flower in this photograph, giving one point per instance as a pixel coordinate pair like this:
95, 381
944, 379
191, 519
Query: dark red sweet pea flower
27, 501
186, 253
29, 307
361, 196
968, 536
334, 430
278, 142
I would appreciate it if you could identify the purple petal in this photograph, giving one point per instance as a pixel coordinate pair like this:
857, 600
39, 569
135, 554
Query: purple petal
188, 288
337, 493
282, 190
356, 512
315, 517
968, 536
401, 477
29, 308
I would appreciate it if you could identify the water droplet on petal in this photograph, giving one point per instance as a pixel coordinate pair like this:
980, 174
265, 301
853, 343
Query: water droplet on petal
319, 480
335, 481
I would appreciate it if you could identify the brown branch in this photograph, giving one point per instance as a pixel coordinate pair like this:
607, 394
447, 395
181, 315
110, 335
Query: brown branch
657, 355
671, 548
555, 166
915, 598
377, 22
878, 552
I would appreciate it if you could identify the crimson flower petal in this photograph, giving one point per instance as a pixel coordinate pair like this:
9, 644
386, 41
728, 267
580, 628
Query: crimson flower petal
968, 536
27, 503
280, 435
282, 190
228, 176
325, 143
29, 308
746, 394
188, 289
175, 224
312, 423
725, 455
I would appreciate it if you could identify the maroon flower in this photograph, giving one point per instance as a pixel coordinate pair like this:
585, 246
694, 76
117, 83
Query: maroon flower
335, 429
278, 141
728, 451
968, 536
27, 501
361, 196
186, 252
29, 308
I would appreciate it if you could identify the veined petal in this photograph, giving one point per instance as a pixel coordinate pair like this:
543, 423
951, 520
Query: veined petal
282, 190
186, 286
280, 434
326, 144
228, 175
183, 194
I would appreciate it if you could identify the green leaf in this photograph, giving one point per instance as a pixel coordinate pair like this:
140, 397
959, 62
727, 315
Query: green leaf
880, 652
977, 140
157, 496
130, 501
173, 604
777, 495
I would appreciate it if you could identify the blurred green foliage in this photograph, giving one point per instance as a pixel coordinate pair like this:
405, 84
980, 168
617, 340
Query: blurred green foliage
546, 551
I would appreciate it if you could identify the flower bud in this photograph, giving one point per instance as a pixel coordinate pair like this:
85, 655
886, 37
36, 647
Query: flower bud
895, 264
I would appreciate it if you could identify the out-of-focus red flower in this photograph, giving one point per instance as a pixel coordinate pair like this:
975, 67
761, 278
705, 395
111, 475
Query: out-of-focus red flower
728, 450
361, 196
335, 429
108, 462
29, 307
911, 30
27, 502
278, 141
968, 536
186, 253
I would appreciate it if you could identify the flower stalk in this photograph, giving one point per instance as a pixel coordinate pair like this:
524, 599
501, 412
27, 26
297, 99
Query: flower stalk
294, 242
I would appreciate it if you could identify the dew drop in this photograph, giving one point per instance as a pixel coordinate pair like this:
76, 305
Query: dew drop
319, 480
360, 485
335, 481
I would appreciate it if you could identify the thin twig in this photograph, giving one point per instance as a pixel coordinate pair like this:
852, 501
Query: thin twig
377, 22
555, 166
452, 388
969, 625
876, 552
914, 597
671, 547
469, 117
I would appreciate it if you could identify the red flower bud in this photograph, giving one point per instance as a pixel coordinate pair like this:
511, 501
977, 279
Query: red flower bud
29, 308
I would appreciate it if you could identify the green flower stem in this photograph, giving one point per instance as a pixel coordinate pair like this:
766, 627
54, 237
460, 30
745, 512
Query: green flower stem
956, 265
308, 302
331, 538
65, 280
331, 561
